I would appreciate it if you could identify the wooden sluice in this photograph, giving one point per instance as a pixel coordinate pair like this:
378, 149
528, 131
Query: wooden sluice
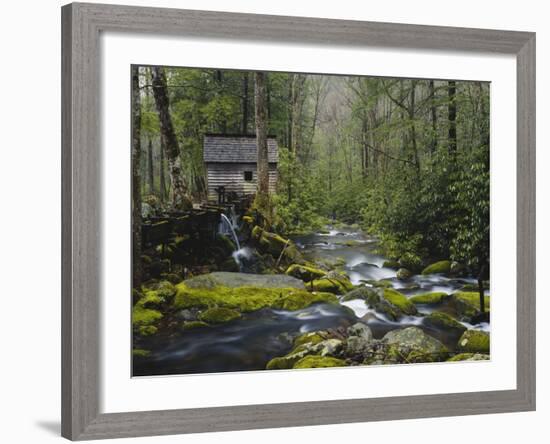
199, 223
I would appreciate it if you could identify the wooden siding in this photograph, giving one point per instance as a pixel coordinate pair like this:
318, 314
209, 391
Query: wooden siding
231, 176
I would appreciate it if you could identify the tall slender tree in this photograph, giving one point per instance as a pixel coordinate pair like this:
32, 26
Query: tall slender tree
452, 117
180, 195
244, 123
262, 194
136, 179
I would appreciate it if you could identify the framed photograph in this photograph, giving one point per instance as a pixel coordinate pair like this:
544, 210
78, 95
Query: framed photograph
278, 221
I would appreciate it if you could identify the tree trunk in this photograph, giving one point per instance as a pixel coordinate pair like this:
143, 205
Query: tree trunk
412, 116
365, 147
244, 125
433, 146
180, 196
136, 179
262, 194
163, 191
452, 117
150, 175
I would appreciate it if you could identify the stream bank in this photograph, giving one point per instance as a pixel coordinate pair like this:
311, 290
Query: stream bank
341, 304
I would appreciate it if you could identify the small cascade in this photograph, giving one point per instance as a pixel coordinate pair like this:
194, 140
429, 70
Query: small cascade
231, 230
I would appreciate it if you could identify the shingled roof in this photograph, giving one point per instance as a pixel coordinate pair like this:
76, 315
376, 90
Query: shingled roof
236, 149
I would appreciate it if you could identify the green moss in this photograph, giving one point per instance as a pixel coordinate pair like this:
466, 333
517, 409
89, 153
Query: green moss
191, 325
443, 321
304, 272
383, 283
474, 341
472, 298
140, 353
438, 267
288, 361
364, 293
429, 298
312, 361
469, 357
247, 299
219, 315
145, 317
249, 220
147, 330
308, 338
400, 301
331, 284
151, 299
274, 244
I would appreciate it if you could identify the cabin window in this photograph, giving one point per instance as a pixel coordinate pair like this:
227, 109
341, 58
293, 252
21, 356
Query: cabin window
248, 176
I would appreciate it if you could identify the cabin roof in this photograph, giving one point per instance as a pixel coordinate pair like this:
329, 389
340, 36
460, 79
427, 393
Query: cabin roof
219, 148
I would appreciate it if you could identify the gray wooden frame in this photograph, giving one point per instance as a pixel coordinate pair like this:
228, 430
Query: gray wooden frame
81, 166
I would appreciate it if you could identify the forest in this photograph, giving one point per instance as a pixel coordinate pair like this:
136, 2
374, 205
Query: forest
392, 171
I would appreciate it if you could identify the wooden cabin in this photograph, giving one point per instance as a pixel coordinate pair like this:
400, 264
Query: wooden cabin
230, 162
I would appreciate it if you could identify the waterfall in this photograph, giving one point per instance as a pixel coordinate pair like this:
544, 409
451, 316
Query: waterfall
231, 230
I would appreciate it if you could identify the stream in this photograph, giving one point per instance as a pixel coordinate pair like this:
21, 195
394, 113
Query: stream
250, 342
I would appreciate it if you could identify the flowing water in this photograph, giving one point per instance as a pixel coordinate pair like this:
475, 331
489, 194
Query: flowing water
250, 342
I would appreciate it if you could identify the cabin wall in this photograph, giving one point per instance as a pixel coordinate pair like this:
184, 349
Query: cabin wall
231, 176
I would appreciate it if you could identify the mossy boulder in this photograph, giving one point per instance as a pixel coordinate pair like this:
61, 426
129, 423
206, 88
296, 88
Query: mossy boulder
403, 274
312, 338
441, 267
472, 298
399, 301
331, 284
466, 304
413, 345
328, 347
433, 298
145, 320
382, 283
276, 245
360, 330
208, 293
248, 220
469, 357
443, 321
192, 325
288, 361
364, 293
474, 341
234, 280
304, 272
218, 315
312, 361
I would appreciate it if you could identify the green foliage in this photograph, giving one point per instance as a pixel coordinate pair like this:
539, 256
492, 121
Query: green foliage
362, 150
